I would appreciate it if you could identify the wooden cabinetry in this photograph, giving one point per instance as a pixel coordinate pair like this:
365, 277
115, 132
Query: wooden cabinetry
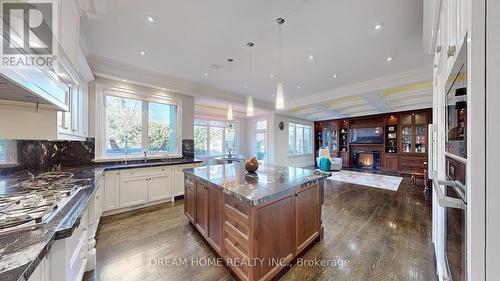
346, 159
277, 230
201, 218
190, 199
214, 212
390, 162
307, 216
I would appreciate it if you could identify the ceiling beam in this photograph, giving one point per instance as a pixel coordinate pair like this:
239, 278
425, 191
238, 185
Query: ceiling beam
413, 76
374, 100
332, 112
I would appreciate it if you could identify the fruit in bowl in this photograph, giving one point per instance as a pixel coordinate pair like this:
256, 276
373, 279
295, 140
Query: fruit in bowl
251, 165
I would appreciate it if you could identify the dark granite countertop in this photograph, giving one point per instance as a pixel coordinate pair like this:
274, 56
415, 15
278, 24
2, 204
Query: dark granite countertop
269, 182
22, 251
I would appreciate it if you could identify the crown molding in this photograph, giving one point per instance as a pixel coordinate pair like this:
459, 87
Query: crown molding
111, 69
88, 8
413, 76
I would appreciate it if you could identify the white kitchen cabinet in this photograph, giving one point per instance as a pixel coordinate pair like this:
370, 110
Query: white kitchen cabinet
68, 256
179, 178
42, 271
111, 190
133, 191
160, 185
69, 29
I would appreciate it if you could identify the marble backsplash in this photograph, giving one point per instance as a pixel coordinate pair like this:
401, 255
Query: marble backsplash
45, 155
49, 155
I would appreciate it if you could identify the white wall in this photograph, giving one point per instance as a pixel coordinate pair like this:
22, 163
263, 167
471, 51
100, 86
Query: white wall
492, 137
22, 121
282, 158
277, 147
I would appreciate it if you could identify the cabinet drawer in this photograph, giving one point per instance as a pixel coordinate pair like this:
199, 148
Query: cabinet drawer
236, 205
236, 221
143, 172
237, 239
236, 260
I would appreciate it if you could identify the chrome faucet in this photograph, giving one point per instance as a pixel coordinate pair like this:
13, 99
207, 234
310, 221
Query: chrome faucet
145, 157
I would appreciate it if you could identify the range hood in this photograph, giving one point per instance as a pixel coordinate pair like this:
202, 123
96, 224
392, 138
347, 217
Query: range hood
47, 84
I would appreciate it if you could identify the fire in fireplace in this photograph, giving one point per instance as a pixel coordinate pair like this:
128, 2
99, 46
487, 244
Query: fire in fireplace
366, 159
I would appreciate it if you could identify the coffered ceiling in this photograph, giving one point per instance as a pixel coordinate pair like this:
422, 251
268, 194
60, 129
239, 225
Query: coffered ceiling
334, 60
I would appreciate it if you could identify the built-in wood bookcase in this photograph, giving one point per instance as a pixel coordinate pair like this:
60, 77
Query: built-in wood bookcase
404, 147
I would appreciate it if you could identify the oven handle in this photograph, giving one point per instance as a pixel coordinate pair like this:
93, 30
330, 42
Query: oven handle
446, 201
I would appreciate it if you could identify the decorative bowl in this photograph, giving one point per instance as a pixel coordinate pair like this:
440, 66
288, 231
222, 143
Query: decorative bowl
251, 167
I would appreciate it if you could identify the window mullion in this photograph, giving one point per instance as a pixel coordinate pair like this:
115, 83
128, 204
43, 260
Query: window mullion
145, 126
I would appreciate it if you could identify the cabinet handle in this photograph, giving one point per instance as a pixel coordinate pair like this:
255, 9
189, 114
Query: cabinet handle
296, 194
451, 51
236, 225
236, 244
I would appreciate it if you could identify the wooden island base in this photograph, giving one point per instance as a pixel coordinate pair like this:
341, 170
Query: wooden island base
256, 242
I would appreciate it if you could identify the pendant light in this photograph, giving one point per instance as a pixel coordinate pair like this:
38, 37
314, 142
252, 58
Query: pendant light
280, 103
230, 112
250, 98
230, 123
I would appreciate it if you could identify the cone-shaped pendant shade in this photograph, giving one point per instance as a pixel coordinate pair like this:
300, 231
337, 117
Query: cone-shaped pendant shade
280, 103
230, 112
249, 106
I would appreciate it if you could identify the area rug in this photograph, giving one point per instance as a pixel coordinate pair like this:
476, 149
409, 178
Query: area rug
366, 179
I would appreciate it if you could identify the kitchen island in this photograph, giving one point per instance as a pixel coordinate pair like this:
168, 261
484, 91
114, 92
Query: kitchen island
258, 223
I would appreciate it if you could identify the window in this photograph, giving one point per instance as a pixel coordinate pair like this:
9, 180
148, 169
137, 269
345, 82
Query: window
2, 150
161, 127
299, 139
123, 125
133, 125
212, 139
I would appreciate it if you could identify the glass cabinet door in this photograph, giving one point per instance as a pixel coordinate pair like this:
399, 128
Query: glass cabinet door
406, 139
420, 138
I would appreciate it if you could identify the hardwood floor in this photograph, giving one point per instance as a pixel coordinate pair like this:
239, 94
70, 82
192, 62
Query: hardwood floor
383, 235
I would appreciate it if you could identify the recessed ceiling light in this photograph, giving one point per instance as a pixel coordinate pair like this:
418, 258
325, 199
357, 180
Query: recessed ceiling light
124, 80
389, 59
142, 53
378, 26
206, 73
335, 75
311, 57
272, 75
299, 87
149, 18
246, 87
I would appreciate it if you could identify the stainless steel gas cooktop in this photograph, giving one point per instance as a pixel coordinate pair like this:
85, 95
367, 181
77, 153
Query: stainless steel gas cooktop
37, 201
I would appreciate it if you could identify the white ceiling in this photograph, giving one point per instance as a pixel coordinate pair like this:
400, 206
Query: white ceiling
188, 37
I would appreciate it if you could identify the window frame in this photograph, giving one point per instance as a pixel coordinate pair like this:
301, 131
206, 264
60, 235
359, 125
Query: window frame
310, 138
145, 99
208, 125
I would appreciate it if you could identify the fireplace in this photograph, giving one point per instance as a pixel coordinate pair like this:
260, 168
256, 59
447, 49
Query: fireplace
366, 159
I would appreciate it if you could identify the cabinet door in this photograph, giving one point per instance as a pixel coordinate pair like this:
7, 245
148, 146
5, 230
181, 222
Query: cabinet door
75, 109
111, 190
160, 187
179, 180
190, 203
215, 217
133, 191
307, 220
70, 30
201, 208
